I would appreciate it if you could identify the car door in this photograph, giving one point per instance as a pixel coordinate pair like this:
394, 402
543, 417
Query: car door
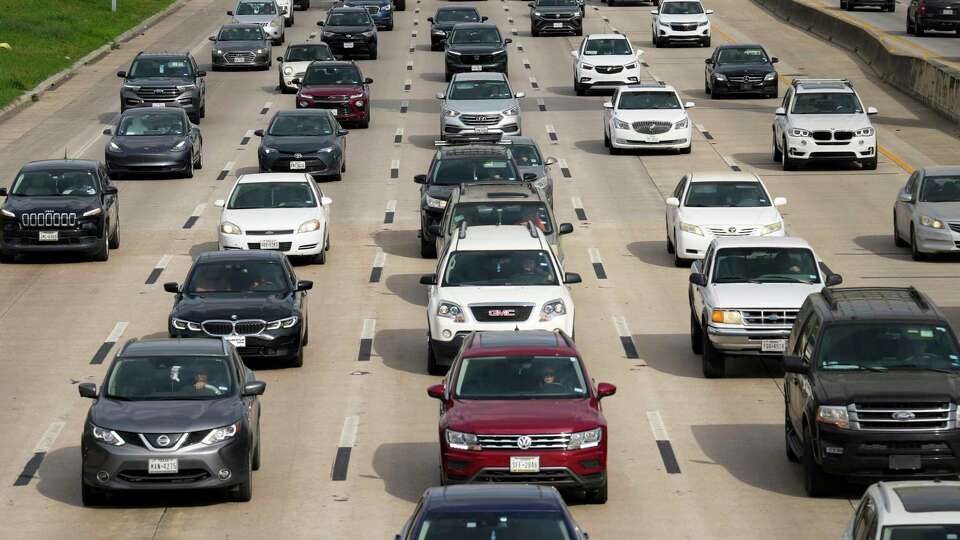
697, 291
578, 60
903, 211
791, 382
802, 385
780, 122
608, 113
251, 405
110, 203
673, 213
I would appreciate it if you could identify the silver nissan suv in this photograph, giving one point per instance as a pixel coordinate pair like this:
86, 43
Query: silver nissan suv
477, 105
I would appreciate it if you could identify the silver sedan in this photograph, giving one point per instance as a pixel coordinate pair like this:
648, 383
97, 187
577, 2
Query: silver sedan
926, 215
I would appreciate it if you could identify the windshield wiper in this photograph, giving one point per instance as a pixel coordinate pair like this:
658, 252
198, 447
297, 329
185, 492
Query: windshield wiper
851, 367
788, 279
921, 368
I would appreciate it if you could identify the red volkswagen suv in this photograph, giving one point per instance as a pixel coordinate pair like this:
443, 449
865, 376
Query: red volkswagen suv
519, 406
338, 86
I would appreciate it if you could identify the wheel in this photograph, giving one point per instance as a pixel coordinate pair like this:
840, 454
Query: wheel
678, 262
815, 482
892, 8
606, 140
915, 252
670, 246
706, 87
579, 32
687, 149
188, 171
373, 55
777, 154
198, 164
869, 164
789, 164
243, 491
194, 117
918, 29
320, 258
297, 359
401, 5
843, 5
791, 456
7, 258
897, 241
365, 123
611, 3
343, 166
428, 248
613, 150
306, 331
773, 94
714, 364
255, 464
705, 43
599, 495
909, 26
533, 31
203, 109
389, 27
696, 335
434, 368
656, 41
447, 76
114, 242
102, 252
287, 23
579, 89
91, 496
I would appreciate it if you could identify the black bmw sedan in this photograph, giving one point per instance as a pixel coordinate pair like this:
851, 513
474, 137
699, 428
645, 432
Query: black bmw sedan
251, 298
304, 140
172, 415
740, 69
154, 140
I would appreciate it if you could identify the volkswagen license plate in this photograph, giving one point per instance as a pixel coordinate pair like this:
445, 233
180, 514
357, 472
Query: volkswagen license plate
298, 165
163, 466
476, 68
49, 236
557, 25
237, 341
773, 345
269, 243
347, 44
525, 464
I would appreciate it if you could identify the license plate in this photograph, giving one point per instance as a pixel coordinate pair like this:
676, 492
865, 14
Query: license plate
525, 464
773, 345
948, 12
49, 236
745, 86
158, 105
268, 243
164, 466
557, 25
476, 68
901, 463
480, 130
347, 44
298, 165
237, 341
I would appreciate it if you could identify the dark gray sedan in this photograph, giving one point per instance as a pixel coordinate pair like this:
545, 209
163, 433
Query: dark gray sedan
172, 415
304, 140
241, 45
530, 160
154, 140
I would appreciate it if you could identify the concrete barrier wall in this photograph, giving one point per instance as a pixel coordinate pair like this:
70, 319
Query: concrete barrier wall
935, 84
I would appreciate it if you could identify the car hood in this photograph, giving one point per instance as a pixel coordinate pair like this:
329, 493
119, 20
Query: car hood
474, 49
568, 10
325, 90
479, 106
299, 144
762, 215
844, 387
813, 122
158, 81
609, 59
692, 18
163, 143
738, 69
523, 294
270, 219
241, 45
528, 416
253, 19
200, 307
940, 210
446, 26
59, 204
165, 416
299, 68
652, 115
762, 295
348, 29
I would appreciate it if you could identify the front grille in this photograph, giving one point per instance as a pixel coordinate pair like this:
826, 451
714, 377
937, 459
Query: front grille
955, 227
267, 233
49, 219
731, 231
158, 93
545, 476
505, 313
769, 317
373, 10
888, 448
480, 119
683, 27
540, 441
239, 57
153, 439
284, 246
218, 328
746, 79
478, 59
185, 476
608, 69
825, 136
652, 127
895, 416
558, 16
842, 135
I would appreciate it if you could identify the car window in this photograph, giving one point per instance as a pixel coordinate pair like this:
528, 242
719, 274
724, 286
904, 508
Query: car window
494, 213
160, 67
681, 8
256, 8
353, 18
332, 75
826, 103
911, 532
164, 378
555, 3
240, 33
708, 261
152, 124
940, 189
860, 521
648, 100
308, 53
888, 346
252, 195
678, 191
526, 155
742, 55
520, 377
457, 15
475, 36
55, 182
786, 99
765, 265
300, 125
471, 90
499, 268
810, 333
257, 276
473, 524
798, 336
726, 195
466, 170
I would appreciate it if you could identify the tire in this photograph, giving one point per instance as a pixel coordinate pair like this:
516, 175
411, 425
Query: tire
320, 258
714, 364
670, 247
579, 32
428, 249
789, 164
114, 241
918, 29
194, 117
102, 253
599, 495
815, 482
91, 496
705, 43
433, 367
687, 149
677, 261
892, 8
909, 26
897, 241
7, 258
389, 27
306, 331
373, 55
533, 31
706, 87
791, 456
606, 140
777, 153
915, 252
365, 123
843, 5
696, 335
243, 491
188, 172
255, 462
869, 164
197, 165
203, 109
297, 359
447, 76
579, 89
401, 5
613, 151
656, 41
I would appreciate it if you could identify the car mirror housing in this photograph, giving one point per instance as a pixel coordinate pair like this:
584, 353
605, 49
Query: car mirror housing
529, 177
439, 95
774, 60
709, 12
872, 111
87, 390
654, 11
219, 203
697, 278
280, 59
607, 105
779, 201
319, 23
3, 192
430, 19
569, 278
258, 132
833, 280
429, 279
122, 74
673, 201
212, 38
255, 388
507, 41
520, 95
420, 179
436, 391
484, 18
708, 61
689, 105
550, 161
780, 111
906, 196
326, 201
605, 390
565, 228
368, 80
107, 131
794, 364
574, 54
304, 285
342, 132
171, 287
110, 190
230, 13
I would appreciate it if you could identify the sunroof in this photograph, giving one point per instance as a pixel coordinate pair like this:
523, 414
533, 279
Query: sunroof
930, 498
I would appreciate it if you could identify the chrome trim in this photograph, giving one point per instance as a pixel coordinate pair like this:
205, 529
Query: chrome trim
175, 447
49, 219
944, 415
233, 325
538, 441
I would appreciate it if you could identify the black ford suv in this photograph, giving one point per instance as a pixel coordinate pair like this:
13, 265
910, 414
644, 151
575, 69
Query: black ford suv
940, 15
871, 389
349, 31
173, 79
475, 47
60, 205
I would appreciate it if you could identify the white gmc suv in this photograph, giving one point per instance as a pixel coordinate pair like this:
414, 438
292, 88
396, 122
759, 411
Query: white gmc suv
494, 277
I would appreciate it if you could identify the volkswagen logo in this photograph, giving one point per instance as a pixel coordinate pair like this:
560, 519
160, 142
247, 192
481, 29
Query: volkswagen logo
158, 91
298, 155
524, 442
233, 317
732, 230
903, 415
163, 440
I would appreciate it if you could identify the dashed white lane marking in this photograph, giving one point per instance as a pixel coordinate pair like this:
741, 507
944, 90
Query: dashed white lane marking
657, 427
49, 437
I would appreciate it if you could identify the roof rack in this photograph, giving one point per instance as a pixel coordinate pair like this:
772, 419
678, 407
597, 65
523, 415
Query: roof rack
828, 296
489, 138
462, 232
911, 291
532, 228
918, 298
529, 184
797, 82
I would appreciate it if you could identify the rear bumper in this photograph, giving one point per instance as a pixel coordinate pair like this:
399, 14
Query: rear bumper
866, 455
939, 24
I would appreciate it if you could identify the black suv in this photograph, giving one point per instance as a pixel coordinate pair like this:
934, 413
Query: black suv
173, 79
60, 205
349, 31
444, 21
455, 164
555, 17
942, 15
871, 389
475, 47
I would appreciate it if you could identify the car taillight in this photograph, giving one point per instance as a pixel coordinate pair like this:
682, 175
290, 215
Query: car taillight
923, 8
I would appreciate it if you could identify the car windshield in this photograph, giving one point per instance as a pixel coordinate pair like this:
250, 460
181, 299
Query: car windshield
240, 33
165, 378
52, 183
256, 8
353, 18
526, 155
475, 36
300, 125
949, 531
484, 525
520, 377
308, 53
332, 75
826, 103
941, 189
552, 3
251, 195
237, 277
506, 213
648, 100
765, 265
457, 15
607, 47
882, 346
466, 170
499, 268
726, 195
160, 67
152, 124
742, 55
681, 8
465, 90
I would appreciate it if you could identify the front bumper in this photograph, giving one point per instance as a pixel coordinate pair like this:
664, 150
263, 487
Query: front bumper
727, 87
866, 455
456, 64
238, 61
744, 340
309, 243
595, 77
321, 164
557, 26
268, 345
454, 127
340, 49
931, 240
345, 110
675, 138
188, 101
699, 34
87, 237
584, 469
692, 246
807, 149
125, 163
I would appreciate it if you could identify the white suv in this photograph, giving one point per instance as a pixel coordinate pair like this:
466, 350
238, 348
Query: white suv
683, 21
823, 120
907, 509
646, 116
494, 277
605, 60
705, 206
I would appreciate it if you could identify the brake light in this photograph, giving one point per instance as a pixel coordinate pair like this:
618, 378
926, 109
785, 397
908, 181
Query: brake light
923, 9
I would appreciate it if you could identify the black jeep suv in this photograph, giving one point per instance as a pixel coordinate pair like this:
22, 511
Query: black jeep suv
871, 389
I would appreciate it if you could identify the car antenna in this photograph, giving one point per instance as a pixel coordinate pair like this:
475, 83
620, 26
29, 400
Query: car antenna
65, 153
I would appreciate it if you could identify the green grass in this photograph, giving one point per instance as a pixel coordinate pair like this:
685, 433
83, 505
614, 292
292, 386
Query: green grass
49, 35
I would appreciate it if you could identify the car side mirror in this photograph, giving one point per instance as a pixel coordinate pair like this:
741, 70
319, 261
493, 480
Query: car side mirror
906, 196
484, 18
319, 23
110, 190
255, 388
673, 201
436, 391
122, 74
794, 364
107, 131
87, 390
565, 228
507, 41
430, 19
654, 11
872, 111
342, 132
3, 192
569, 278
550, 161
605, 390
212, 38
607, 105
708, 61
326, 201
440, 95
689, 105
434, 229
709, 12
171, 287
779, 201
429, 279
833, 280
368, 80
258, 132
529, 177
420, 179
530, 5
304, 285
575, 54
520, 95
201, 73
774, 60
698, 279
219, 203
230, 13
780, 111
280, 59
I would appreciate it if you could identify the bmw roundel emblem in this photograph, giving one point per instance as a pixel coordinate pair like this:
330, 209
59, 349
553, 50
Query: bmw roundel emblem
163, 440
524, 442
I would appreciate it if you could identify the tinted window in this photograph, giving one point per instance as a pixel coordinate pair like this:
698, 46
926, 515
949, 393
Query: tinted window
526, 155
607, 46
272, 195
237, 277
726, 194
826, 103
169, 378
348, 19
302, 125
458, 171
457, 15
479, 90
152, 124
681, 8
648, 100
306, 53
256, 8
240, 33
744, 55
553, 3
493, 213
468, 36
507, 525
941, 189
492, 268
922, 532
49, 183
888, 346
318, 75
765, 265
160, 67
520, 377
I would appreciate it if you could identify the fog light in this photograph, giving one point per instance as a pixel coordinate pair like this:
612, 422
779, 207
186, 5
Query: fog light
103, 477
447, 334
803, 143
223, 474
836, 450
304, 103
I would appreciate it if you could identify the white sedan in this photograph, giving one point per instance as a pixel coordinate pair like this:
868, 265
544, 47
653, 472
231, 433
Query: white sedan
647, 116
279, 211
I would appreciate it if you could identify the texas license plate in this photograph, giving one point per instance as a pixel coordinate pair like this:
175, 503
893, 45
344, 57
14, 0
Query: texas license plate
298, 165
49, 236
269, 243
948, 12
480, 130
347, 44
524, 464
773, 345
476, 68
905, 463
237, 341
557, 25
162, 466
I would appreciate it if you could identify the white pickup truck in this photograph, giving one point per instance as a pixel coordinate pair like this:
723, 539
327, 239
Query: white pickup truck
745, 295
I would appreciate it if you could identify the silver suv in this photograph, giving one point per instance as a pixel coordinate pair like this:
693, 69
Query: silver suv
266, 13
164, 79
478, 104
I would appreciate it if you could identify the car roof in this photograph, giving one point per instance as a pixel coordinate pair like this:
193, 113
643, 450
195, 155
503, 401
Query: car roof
761, 241
474, 150
540, 342
328, 63
162, 54
240, 25
947, 170
878, 303
240, 255
500, 238
606, 36
647, 87
479, 497
273, 177
822, 86
740, 46
304, 112
919, 502
723, 177
480, 76
456, 8
140, 111
174, 347
44, 164
347, 9
508, 192
521, 140
469, 25
311, 44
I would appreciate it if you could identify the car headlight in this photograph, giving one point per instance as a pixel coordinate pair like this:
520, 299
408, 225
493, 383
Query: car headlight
719, 76
620, 124
268, 150
682, 124
131, 87
833, 415
385, 8
93, 212
433, 202
309, 226
439, 33
185, 87
585, 439
327, 150
108, 436
229, 228
587, 67
455, 53
630, 66
928, 221
326, 34
289, 322
771, 228
221, 434
501, 51
691, 228
664, 25
180, 145
703, 23
451, 113
219, 52
537, 14
512, 111
7, 213
288, 70
461, 441
114, 147
259, 51
450, 310
274, 24
368, 33
553, 308
864, 132
797, 132
181, 324
726, 317
770, 76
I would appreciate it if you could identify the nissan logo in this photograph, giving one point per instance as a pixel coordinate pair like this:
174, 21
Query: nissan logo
903, 415
163, 440
298, 155
524, 442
